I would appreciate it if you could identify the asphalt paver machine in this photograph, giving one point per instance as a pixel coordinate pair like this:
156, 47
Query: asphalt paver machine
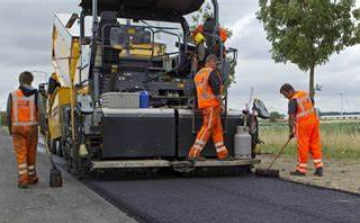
122, 94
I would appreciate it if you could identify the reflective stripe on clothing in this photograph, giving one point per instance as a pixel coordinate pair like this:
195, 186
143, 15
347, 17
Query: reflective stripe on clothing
206, 97
21, 172
307, 130
211, 127
302, 167
31, 170
25, 144
318, 163
23, 109
22, 166
308, 141
221, 149
305, 106
200, 142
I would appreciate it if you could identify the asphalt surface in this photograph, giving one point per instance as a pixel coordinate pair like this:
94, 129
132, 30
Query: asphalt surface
240, 199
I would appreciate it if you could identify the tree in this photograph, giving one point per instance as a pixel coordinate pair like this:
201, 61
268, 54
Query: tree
308, 32
201, 15
275, 116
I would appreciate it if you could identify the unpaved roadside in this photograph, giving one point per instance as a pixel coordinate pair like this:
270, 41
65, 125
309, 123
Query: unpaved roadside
74, 202
341, 175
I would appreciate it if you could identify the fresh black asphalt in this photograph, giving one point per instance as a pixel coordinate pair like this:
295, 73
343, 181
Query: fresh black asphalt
245, 199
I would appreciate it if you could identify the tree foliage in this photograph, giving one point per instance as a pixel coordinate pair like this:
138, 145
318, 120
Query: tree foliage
205, 12
275, 116
201, 15
308, 32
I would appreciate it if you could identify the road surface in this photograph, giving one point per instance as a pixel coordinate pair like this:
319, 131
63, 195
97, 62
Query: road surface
240, 199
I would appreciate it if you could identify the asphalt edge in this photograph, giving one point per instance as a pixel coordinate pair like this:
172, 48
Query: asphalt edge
121, 205
319, 187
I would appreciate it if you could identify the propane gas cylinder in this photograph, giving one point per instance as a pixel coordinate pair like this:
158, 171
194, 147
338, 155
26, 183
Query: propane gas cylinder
242, 143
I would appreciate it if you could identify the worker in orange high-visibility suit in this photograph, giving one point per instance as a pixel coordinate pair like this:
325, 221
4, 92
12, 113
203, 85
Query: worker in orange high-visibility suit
205, 34
23, 113
209, 87
305, 125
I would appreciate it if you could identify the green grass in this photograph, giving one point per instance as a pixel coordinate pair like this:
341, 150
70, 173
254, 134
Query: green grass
339, 139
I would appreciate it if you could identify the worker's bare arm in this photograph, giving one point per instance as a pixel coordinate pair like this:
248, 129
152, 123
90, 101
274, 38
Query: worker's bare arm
221, 102
292, 126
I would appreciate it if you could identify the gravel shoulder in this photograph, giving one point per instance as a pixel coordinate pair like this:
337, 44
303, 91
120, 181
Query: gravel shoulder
74, 202
341, 175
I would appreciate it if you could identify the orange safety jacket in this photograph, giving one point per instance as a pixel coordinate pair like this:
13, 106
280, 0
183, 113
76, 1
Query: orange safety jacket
206, 97
306, 112
23, 110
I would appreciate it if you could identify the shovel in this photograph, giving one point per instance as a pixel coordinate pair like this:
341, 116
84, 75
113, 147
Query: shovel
55, 174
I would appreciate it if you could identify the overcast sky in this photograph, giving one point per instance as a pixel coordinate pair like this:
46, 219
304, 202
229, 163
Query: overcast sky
25, 44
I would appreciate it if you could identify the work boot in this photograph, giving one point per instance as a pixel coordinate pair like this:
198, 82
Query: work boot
33, 181
319, 172
297, 173
23, 186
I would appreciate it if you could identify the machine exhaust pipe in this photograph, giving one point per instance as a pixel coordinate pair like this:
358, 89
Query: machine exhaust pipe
93, 70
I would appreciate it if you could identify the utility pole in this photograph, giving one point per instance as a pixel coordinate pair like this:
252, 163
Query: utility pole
341, 93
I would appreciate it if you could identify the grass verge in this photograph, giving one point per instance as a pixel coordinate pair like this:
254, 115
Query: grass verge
339, 139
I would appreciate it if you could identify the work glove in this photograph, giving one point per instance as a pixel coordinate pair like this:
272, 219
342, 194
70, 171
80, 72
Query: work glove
291, 135
222, 108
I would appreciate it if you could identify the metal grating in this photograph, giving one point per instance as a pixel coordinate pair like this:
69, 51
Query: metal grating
129, 164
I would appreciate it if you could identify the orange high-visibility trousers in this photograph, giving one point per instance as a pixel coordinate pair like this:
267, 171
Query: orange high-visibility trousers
308, 141
25, 139
211, 127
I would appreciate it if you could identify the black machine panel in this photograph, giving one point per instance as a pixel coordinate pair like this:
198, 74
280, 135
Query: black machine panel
138, 133
186, 135
166, 10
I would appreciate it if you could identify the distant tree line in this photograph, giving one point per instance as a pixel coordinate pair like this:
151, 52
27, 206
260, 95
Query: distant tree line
276, 116
332, 113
